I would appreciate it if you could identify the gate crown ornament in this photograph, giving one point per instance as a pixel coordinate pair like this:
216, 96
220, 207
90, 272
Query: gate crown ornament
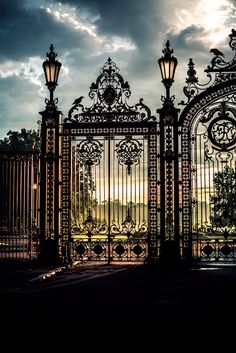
109, 94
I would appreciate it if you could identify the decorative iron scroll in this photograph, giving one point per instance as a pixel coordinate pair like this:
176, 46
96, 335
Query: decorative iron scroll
213, 108
128, 226
89, 152
90, 227
218, 63
109, 94
129, 152
131, 250
224, 71
215, 250
222, 128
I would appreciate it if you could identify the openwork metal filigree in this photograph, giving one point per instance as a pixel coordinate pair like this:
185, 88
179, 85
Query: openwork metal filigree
222, 127
218, 63
213, 116
51, 104
129, 152
128, 226
89, 152
193, 87
218, 131
109, 94
216, 251
222, 133
90, 227
219, 121
111, 133
223, 71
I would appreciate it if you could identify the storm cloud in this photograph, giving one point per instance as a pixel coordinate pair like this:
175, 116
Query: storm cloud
86, 32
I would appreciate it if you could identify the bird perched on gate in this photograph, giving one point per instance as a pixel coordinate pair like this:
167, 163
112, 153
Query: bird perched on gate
78, 100
216, 52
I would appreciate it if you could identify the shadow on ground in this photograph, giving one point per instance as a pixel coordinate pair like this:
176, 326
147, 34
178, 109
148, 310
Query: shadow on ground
119, 293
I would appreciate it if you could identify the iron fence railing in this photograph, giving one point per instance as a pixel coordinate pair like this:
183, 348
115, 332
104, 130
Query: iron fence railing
219, 250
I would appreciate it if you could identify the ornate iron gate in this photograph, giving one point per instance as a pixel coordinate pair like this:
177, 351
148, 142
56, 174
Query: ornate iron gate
109, 174
112, 185
208, 158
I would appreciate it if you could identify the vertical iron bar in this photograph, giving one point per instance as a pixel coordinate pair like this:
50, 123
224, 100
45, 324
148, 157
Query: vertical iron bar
100, 192
205, 193
104, 187
122, 193
143, 188
196, 151
114, 182
109, 200
29, 210
118, 190
138, 179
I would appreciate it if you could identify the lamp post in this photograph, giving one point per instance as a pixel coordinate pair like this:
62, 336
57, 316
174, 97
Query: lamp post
169, 165
49, 169
168, 65
51, 69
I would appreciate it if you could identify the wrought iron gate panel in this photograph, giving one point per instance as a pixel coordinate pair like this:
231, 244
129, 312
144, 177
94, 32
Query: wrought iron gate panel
109, 199
213, 164
208, 161
113, 192
208, 147
109, 174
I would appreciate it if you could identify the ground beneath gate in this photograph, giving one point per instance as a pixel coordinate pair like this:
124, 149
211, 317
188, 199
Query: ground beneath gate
117, 293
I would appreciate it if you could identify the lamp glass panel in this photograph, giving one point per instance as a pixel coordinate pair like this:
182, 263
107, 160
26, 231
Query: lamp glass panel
163, 69
57, 69
47, 72
52, 72
167, 69
172, 69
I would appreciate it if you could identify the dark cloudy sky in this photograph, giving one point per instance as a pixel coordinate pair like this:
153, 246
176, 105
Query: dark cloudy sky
86, 32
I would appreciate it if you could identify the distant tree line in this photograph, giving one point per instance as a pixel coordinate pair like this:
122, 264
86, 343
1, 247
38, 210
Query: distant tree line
223, 212
20, 141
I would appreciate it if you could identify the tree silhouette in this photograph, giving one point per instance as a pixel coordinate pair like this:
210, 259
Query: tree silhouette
23, 141
223, 211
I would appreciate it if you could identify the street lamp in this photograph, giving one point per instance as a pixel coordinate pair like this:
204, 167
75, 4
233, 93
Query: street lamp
49, 165
51, 69
169, 163
167, 65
